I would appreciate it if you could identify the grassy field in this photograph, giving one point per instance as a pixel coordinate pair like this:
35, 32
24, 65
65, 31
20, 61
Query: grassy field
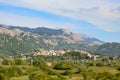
104, 69
78, 76
95, 69
20, 78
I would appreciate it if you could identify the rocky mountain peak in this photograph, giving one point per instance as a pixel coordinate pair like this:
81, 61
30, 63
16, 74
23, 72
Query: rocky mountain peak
11, 32
24, 39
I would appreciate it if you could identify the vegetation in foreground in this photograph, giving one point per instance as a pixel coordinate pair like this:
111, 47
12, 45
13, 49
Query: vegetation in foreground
66, 67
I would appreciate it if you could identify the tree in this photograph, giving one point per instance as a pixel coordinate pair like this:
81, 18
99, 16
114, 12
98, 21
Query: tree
8, 61
41, 64
19, 61
63, 66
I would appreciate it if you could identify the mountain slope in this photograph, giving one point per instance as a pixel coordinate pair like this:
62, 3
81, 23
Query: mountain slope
109, 49
20, 40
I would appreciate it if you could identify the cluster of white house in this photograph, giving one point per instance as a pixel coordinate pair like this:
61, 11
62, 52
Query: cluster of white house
49, 52
61, 52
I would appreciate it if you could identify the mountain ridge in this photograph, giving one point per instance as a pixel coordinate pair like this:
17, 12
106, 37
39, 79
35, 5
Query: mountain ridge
109, 49
29, 39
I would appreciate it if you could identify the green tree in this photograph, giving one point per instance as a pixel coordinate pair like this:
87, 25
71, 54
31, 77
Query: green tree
63, 66
8, 61
19, 61
40, 63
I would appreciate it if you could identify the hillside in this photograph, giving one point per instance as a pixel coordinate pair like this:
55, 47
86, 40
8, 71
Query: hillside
109, 49
16, 40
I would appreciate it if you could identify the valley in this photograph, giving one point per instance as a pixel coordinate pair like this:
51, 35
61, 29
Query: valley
56, 54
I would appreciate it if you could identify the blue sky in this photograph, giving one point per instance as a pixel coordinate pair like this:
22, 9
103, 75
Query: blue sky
99, 18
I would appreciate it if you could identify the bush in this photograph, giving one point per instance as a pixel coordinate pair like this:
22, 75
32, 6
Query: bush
51, 72
39, 76
8, 61
100, 76
104, 76
118, 68
67, 73
40, 63
11, 71
99, 64
29, 69
19, 61
87, 76
117, 75
14, 71
3, 77
63, 66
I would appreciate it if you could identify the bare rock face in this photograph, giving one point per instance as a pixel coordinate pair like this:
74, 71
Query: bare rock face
14, 32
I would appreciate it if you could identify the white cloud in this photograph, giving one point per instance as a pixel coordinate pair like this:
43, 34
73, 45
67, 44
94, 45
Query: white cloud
102, 13
17, 20
11, 19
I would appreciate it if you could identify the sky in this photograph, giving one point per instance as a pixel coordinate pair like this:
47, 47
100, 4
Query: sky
97, 18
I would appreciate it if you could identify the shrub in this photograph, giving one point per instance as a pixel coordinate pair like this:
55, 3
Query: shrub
40, 75
99, 64
118, 68
29, 69
104, 76
67, 73
51, 72
19, 61
62, 77
3, 77
87, 76
40, 63
63, 66
8, 61
11, 71
14, 71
